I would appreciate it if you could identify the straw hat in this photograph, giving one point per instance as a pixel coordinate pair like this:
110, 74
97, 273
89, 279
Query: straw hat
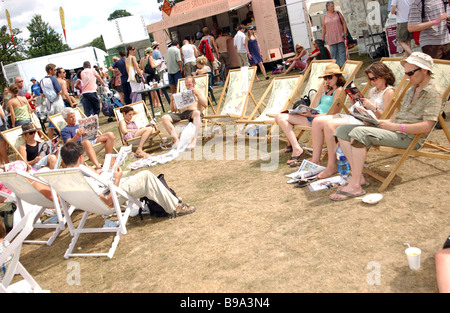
28, 128
332, 69
421, 60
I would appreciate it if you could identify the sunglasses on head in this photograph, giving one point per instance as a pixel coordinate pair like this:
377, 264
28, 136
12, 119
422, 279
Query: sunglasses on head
411, 73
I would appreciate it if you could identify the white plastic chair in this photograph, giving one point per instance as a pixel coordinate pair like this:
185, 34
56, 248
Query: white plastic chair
25, 193
16, 238
70, 184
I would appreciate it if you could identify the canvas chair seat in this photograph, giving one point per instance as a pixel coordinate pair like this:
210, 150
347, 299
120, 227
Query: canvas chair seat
26, 195
11, 256
141, 119
69, 184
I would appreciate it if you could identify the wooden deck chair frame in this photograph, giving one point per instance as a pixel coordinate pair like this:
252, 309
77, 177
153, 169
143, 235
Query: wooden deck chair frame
142, 109
11, 254
69, 183
288, 102
14, 139
59, 123
25, 194
438, 151
225, 93
338, 102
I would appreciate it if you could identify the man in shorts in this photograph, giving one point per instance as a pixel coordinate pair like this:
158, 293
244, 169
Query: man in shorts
401, 9
192, 113
239, 42
73, 133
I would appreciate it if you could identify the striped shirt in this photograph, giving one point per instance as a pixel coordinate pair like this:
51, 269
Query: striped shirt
436, 35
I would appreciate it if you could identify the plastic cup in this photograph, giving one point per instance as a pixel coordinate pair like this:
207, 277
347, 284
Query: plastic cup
413, 255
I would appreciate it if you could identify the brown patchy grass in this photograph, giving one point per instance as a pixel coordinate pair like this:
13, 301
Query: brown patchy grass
254, 233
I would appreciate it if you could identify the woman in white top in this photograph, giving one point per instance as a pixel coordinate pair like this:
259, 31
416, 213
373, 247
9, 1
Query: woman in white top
189, 54
133, 69
299, 60
378, 98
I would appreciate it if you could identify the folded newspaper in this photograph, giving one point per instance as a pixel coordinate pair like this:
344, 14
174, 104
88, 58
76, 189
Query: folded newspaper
328, 183
184, 99
112, 161
302, 109
306, 171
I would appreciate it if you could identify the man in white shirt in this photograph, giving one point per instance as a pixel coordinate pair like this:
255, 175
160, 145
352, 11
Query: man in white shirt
401, 9
239, 42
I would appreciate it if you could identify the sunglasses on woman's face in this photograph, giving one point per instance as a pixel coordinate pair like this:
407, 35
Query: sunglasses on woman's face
411, 73
328, 77
32, 132
373, 78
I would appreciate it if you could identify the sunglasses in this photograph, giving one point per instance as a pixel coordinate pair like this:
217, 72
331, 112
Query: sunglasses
328, 77
373, 78
31, 132
411, 73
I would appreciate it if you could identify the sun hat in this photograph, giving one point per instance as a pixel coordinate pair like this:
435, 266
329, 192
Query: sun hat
168, 43
148, 50
332, 69
155, 44
28, 128
421, 60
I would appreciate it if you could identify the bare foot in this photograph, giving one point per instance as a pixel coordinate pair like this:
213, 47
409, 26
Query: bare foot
326, 173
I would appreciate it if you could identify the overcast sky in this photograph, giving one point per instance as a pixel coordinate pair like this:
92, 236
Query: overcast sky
84, 19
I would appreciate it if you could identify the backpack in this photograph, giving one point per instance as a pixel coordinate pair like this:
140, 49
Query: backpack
154, 208
48, 90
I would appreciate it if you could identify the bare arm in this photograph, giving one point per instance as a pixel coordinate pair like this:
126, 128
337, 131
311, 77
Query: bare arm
425, 25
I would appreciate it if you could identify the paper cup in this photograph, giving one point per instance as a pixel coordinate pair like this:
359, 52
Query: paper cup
413, 255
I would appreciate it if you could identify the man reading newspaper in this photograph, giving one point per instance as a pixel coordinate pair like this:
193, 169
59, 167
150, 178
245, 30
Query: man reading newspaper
192, 112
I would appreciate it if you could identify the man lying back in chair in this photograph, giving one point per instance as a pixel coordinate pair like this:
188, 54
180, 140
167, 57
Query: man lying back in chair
143, 184
192, 113
419, 112
73, 133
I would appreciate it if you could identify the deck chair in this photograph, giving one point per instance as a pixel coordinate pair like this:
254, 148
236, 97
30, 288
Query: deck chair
350, 68
11, 256
142, 119
25, 193
283, 91
59, 123
15, 139
235, 95
70, 184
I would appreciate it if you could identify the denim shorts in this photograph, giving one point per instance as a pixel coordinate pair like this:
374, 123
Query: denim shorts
173, 78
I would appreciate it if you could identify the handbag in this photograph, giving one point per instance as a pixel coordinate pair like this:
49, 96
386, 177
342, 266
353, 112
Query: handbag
305, 100
138, 78
148, 69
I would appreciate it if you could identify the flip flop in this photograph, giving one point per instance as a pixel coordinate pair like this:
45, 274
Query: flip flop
288, 149
366, 185
295, 158
305, 182
347, 195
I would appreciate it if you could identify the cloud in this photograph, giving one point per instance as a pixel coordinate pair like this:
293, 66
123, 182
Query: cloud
84, 19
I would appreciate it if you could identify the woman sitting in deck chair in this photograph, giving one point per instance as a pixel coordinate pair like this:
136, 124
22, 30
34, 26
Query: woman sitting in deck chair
331, 87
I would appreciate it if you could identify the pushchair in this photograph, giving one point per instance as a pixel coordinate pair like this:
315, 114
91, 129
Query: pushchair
110, 100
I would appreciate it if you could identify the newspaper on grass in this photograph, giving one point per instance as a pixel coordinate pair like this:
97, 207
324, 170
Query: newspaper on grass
90, 126
184, 99
357, 110
184, 142
307, 170
328, 183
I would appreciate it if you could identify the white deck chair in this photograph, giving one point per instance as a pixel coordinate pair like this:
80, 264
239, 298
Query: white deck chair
70, 184
22, 185
11, 255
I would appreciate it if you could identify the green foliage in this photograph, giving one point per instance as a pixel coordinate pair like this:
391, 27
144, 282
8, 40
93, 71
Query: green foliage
99, 43
118, 14
9, 53
44, 40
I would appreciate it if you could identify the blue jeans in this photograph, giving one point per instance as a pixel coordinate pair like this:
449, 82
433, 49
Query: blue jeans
337, 52
91, 104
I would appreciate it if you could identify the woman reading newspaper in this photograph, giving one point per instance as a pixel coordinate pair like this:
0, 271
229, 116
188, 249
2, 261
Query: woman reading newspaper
380, 95
130, 129
37, 153
332, 86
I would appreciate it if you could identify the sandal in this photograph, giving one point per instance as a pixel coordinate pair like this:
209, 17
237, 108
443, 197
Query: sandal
294, 159
288, 149
346, 195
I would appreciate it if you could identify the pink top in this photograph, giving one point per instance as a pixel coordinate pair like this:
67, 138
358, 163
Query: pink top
130, 125
89, 80
334, 28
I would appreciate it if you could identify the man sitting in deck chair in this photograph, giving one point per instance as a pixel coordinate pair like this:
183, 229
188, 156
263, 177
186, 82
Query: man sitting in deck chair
143, 184
419, 112
192, 113
73, 133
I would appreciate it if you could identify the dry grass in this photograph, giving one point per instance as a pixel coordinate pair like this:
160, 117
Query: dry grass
254, 233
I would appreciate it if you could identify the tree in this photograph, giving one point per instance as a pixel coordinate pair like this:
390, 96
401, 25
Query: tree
118, 14
99, 43
44, 40
9, 53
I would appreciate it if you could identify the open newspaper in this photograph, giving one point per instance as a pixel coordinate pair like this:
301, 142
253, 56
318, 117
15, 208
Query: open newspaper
112, 161
90, 126
358, 110
48, 147
302, 109
306, 171
184, 99
328, 183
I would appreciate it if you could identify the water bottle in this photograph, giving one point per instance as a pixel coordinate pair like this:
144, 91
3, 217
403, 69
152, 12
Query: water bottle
342, 163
